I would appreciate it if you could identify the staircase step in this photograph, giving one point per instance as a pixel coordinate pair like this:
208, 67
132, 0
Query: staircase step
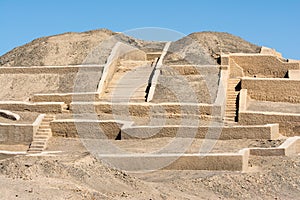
37, 146
35, 149
40, 140
231, 100
230, 110
231, 105
44, 129
38, 143
232, 92
44, 126
40, 137
229, 119
43, 134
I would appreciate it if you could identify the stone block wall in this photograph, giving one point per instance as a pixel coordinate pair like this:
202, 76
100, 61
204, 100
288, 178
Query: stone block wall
277, 90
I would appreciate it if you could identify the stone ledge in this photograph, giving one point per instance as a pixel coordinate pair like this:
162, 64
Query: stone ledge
148, 162
126, 130
289, 148
13, 134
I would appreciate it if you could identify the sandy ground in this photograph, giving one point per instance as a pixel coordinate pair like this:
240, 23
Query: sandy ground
75, 174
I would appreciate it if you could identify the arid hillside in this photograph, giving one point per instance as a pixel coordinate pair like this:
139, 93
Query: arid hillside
73, 48
206, 48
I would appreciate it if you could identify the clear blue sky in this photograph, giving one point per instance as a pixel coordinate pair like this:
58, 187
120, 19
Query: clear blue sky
273, 23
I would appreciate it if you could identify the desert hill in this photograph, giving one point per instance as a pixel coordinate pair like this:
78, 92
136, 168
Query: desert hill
72, 48
206, 48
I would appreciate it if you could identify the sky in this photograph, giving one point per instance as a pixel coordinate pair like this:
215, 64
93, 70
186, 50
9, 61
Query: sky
271, 23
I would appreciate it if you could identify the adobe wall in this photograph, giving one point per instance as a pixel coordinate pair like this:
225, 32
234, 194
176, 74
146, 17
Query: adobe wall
143, 110
269, 51
51, 107
111, 129
289, 124
277, 90
218, 161
187, 83
14, 134
67, 98
261, 65
20, 83
270, 131
294, 74
88, 129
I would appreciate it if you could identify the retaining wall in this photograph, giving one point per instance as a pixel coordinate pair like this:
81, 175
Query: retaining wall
290, 147
20, 83
146, 109
261, 65
147, 162
88, 129
51, 107
67, 98
289, 124
270, 131
270, 89
14, 134
112, 129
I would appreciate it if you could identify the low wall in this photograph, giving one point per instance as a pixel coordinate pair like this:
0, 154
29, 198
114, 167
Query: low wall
65, 97
14, 134
243, 100
148, 162
157, 72
88, 129
269, 51
153, 55
52, 107
111, 129
270, 89
270, 131
294, 74
289, 124
145, 109
20, 83
264, 66
222, 88
290, 147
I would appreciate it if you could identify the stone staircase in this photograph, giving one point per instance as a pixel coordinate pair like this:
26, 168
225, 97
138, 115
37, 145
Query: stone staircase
231, 101
39, 142
129, 82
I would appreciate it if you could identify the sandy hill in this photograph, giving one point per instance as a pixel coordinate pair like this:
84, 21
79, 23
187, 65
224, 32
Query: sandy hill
72, 48
67, 48
206, 48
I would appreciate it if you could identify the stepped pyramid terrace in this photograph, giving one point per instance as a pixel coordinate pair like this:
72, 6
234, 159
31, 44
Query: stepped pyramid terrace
208, 102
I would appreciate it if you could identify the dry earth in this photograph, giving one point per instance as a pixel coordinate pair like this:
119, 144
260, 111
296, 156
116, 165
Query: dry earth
77, 175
